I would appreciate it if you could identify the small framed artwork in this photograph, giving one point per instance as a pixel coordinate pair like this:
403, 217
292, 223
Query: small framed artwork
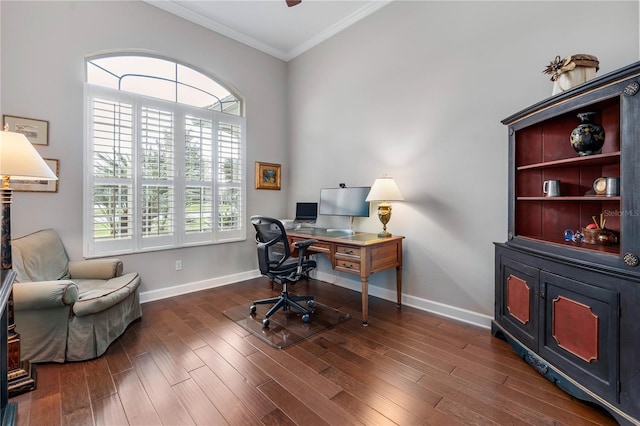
38, 185
37, 131
267, 175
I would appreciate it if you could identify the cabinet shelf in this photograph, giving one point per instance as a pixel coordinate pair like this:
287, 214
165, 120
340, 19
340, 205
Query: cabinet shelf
591, 160
613, 249
597, 198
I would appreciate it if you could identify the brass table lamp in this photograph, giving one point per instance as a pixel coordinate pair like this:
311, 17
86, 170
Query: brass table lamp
384, 189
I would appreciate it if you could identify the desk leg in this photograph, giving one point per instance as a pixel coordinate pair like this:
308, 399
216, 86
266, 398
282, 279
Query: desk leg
399, 285
365, 300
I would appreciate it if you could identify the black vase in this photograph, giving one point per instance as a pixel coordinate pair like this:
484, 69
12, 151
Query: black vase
588, 137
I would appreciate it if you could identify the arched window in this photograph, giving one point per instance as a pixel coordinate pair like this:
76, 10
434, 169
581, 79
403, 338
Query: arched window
164, 154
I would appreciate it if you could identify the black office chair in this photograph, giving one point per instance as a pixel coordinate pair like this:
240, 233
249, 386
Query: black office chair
276, 263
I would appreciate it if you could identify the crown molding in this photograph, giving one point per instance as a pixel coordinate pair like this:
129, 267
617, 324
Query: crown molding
186, 13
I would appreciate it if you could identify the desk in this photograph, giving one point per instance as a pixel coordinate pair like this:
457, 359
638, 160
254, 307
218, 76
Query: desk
360, 254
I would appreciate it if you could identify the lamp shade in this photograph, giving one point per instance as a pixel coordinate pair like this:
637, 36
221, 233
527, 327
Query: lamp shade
20, 160
384, 189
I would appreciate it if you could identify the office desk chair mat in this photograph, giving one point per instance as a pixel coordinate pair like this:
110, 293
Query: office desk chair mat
286, 327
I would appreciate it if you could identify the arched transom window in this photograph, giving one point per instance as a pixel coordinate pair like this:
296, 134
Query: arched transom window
164, 79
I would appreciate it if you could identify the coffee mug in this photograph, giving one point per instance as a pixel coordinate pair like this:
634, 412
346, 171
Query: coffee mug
551, 188
613, 187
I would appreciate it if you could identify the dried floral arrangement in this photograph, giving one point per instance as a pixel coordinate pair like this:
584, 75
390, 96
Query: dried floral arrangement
569, 63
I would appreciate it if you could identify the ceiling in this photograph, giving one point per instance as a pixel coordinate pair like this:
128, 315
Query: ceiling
271, 26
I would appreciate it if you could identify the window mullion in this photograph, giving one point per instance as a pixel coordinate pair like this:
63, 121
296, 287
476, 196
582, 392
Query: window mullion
179, 177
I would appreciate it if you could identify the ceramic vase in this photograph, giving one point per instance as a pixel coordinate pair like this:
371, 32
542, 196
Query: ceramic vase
588, 137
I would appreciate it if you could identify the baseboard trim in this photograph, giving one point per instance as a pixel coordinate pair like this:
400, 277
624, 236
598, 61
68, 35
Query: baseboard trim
178, 290
448, 311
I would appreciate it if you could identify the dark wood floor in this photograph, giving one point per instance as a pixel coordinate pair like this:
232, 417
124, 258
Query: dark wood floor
186, 363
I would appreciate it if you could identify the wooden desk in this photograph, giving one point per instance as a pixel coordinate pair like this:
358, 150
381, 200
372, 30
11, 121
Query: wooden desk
360, 254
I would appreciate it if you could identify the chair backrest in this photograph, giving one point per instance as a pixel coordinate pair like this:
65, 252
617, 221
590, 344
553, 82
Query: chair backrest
273, 245
39, 257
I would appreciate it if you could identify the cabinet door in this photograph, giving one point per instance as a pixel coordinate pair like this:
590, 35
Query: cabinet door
580, 335
518, 310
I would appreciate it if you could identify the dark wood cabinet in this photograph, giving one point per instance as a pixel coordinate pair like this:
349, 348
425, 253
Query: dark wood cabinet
8, 410
571, 308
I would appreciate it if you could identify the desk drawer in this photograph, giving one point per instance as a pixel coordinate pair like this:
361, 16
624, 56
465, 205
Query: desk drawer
316, 247
349, 266
347, 251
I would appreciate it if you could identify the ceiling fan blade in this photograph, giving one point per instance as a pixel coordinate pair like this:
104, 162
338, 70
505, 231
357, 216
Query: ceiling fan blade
291, 3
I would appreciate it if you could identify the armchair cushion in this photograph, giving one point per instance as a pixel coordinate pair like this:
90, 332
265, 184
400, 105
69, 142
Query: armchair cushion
98, 295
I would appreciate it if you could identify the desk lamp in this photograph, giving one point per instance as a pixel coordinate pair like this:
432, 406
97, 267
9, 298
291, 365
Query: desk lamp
384, 189
18, 160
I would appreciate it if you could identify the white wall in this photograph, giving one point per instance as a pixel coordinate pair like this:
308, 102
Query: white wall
43, 46
417, 91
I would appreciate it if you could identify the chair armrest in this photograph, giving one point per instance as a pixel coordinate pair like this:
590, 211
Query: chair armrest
303, 245
44, 294
103, 269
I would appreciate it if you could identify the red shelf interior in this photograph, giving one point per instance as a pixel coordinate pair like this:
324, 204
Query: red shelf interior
543, 152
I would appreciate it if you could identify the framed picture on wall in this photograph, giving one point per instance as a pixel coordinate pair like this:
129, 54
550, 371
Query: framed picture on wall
267, 175
37, 131
39, 185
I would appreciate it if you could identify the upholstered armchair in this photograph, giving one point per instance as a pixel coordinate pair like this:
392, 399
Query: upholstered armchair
68, 311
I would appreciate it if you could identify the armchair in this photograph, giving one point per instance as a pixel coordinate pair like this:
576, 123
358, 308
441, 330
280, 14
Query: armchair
277, 264
68, 311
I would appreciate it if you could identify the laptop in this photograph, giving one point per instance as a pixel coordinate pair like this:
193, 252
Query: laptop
306, 213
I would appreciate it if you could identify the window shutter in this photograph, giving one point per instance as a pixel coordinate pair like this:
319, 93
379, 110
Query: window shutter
229, 175
198, 164
160, 175
157, 172
112, 165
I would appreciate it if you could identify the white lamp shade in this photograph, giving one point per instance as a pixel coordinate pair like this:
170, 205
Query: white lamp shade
384, 189
20, 160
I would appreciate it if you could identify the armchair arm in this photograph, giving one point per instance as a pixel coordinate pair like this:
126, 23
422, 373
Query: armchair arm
44, 294
104, 269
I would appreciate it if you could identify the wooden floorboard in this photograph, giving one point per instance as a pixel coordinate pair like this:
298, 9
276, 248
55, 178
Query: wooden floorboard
186, 363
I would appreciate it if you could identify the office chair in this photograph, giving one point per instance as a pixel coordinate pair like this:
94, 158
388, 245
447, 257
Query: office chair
276, 263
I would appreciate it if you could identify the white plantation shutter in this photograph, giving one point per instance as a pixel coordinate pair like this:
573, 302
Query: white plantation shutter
230, 173
157, 166
111, 173
161, 174
198, 174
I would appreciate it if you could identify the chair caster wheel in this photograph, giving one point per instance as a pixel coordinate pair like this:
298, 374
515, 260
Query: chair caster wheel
265, 323
306, 318
311, 303
252, 309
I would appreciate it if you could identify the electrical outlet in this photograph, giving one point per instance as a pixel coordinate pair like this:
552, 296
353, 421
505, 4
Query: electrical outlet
178, 265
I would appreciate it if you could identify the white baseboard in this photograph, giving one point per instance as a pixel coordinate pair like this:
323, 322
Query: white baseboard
448, 311
163, 293
438, 308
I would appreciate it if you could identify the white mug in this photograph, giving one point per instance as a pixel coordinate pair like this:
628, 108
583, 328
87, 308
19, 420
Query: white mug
551, 188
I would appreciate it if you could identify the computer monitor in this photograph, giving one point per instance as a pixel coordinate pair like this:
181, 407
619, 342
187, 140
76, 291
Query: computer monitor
344, 201
306, 212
